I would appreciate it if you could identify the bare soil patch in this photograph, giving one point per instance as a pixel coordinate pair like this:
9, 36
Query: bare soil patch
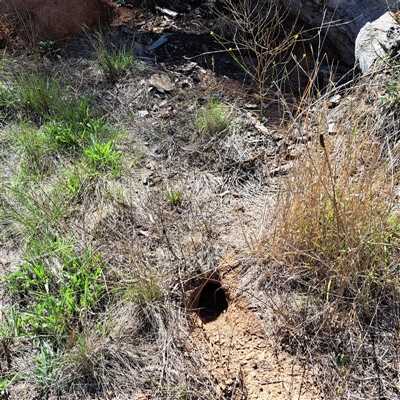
25, 23
241, 356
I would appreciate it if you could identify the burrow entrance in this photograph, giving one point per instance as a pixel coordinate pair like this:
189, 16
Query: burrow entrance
209, 299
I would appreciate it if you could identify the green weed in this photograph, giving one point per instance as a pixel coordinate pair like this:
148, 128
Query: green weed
48, 48
12, 328
77, 182
31, 208
174, 197
73, 127
37, 95
6, 381
53, 298
46, 365
104, 156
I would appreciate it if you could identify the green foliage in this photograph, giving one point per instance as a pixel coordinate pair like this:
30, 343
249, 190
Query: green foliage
54, 299
214, 118
32, 147
47, 101
74, 127
46, 364
30, 206
78, 182
114, 59
104, 156
174, 197
393, 93
70, 132
47, 48
12, 326
37, 95
6, 381
8, 103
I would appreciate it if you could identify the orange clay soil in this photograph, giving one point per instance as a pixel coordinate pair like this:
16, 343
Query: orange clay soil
242, 358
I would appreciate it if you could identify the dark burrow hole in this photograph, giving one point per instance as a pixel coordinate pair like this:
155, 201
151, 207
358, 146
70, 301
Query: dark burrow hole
212, 301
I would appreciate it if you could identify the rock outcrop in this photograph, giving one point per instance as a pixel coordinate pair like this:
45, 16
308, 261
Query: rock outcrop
377, 40
341, 19
29, 21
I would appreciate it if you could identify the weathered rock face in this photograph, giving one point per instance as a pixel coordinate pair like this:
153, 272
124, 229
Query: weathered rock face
29, 21
377, 40
342, 19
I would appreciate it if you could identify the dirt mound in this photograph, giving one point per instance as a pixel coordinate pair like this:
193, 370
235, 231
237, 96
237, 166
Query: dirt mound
25, 22
237, 351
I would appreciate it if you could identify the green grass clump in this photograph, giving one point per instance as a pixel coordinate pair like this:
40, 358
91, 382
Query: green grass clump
30, 209
57, 285
214, 118
114, 59
36, 95
75, 128
173, 196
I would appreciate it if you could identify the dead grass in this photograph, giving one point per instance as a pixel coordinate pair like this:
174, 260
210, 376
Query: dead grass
331, 238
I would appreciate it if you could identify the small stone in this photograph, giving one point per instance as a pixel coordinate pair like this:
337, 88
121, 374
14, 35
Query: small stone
162, 83
335, 100
251, 106
139, 396
262, 128
142, 113
332, 128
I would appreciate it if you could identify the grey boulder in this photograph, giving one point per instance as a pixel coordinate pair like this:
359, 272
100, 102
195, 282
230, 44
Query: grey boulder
377, 41
340, 20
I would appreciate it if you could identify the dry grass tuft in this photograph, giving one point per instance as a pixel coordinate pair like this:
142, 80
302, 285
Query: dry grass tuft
330, 245
335, 223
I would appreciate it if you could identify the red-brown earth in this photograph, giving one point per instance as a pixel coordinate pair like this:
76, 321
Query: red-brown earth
26, 22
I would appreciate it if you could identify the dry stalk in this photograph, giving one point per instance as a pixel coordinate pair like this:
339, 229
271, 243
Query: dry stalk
256, 38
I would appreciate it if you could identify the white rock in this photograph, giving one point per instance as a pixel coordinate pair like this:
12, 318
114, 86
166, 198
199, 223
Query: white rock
341, 20
377, 40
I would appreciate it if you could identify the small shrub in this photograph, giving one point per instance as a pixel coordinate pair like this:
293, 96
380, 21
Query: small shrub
260, 39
